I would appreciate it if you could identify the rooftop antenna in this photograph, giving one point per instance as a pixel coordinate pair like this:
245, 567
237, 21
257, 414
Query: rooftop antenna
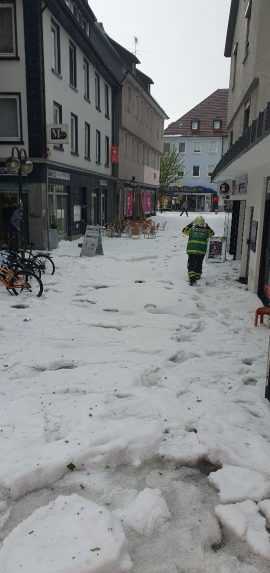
136, 41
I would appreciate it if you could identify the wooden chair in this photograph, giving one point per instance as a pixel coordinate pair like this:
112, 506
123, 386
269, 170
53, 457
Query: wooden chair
260, 313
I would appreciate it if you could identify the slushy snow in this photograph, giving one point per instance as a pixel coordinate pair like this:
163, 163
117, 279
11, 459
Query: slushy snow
126, 387
70, 535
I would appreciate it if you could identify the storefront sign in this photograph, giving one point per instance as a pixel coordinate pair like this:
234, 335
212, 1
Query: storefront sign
216, 249
115, 154
61, 175
92, 242
57, 134
224, 189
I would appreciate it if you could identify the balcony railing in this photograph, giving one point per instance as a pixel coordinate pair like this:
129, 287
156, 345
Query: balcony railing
252, 135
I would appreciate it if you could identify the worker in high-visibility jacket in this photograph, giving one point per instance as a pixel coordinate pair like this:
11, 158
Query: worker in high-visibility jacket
198, 233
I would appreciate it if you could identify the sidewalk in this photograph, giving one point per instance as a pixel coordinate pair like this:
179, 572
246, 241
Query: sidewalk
121, 379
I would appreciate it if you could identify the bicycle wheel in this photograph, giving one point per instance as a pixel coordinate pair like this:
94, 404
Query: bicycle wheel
26, 282
45, 263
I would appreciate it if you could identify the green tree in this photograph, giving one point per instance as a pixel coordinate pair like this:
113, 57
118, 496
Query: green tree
171, 169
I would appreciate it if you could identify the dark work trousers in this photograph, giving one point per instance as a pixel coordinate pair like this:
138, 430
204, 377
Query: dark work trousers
195, 263
184, 211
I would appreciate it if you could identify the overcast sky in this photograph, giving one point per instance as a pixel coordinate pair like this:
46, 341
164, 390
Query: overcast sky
181, 45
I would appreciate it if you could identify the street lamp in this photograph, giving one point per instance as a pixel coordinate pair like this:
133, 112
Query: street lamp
20, 165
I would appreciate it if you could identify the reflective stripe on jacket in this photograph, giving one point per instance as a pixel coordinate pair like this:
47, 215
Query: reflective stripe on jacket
198, 239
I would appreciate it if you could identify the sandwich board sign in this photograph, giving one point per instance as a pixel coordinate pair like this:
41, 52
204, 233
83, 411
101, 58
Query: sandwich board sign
217, 249
92, 242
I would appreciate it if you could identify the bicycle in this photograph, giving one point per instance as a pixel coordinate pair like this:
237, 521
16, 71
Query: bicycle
18, 281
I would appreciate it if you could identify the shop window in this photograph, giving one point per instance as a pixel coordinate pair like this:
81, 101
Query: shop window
10, 114
8, 48
57, 199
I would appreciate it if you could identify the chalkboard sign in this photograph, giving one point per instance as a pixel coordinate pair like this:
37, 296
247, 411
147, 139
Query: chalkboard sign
92, 242
216, 249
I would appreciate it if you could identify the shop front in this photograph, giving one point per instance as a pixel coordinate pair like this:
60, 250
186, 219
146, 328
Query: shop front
9, 202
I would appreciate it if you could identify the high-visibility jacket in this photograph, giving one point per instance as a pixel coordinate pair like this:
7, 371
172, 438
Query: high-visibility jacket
197, 238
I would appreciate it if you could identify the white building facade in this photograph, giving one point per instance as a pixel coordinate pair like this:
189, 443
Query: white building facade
246, 166
200, 139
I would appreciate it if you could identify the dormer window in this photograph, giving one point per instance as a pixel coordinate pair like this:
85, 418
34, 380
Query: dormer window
217, 124
195, 125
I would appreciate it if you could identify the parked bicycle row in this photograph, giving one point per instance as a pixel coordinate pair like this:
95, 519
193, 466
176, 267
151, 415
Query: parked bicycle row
21, 270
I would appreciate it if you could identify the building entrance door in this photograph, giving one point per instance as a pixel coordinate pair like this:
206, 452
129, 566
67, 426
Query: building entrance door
251, 213
264, 288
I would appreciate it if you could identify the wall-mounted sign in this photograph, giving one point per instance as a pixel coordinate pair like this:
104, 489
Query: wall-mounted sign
216, 249
115, 154
224, 189
57, 134
62, 175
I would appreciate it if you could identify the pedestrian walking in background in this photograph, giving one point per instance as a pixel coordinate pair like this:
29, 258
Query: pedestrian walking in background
198, 233
15, 226
184, 208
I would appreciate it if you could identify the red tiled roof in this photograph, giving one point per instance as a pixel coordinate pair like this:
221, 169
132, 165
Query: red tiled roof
213, 107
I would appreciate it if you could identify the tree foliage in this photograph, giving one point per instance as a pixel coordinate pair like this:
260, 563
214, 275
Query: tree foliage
171, 168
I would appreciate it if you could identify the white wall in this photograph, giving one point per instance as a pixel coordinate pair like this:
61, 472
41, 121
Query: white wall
204, 158
255, 198
73, 101
13, 79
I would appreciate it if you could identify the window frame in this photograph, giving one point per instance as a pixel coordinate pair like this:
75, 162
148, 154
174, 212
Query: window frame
14, 54
73, 49
19, 139
107, 101
86, 76
56, 28
97, 92
235, 62
199, 168
98, 147
75, 151
107, 151
198, 145
195, 128
87, 131
184, 144
220, 124
248, 14
212, 143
